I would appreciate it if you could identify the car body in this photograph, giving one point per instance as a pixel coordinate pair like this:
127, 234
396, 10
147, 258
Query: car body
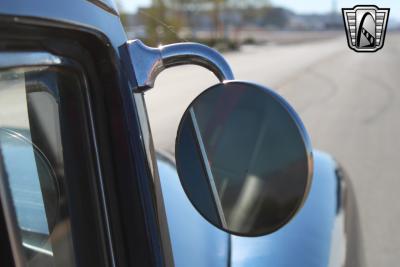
324, 233
133, 211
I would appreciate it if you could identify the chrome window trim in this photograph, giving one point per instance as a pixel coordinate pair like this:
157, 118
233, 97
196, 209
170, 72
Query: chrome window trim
107, 5
26, 59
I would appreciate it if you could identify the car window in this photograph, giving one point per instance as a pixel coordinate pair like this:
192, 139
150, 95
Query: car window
32, 152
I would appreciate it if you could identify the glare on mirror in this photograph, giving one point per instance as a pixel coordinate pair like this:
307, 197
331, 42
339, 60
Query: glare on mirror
244, 158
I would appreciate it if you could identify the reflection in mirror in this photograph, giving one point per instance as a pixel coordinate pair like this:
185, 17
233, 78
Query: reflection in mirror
244, 158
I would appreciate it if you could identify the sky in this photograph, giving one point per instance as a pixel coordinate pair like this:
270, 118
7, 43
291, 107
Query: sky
305, 6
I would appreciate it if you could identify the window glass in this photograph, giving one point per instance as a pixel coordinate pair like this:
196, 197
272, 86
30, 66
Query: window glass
32, 152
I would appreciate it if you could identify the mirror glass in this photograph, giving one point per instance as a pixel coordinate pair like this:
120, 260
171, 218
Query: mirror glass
244, 158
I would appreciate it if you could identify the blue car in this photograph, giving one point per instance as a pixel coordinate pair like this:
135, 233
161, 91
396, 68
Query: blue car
81, 183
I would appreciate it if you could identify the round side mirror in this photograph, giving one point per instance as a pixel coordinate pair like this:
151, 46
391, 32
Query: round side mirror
244, 158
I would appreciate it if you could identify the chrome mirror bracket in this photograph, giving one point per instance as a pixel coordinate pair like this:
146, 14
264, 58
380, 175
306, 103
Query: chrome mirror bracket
148, 62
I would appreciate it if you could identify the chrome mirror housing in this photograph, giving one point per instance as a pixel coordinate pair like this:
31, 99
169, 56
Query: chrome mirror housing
148, 62
243, 155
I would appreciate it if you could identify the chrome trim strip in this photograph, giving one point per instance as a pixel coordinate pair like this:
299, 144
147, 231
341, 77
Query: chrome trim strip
148, 62
208, 169
26, 59
108, 6
38, 249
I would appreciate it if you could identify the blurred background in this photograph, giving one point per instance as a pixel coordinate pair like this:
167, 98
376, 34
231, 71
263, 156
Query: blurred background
349, 102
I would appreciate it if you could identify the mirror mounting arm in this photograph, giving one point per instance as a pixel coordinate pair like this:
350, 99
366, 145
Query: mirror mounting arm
148, 62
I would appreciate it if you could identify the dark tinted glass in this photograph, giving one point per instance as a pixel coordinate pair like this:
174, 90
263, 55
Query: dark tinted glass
254, 148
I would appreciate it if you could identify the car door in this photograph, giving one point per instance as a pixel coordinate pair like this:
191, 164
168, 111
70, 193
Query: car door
78, 180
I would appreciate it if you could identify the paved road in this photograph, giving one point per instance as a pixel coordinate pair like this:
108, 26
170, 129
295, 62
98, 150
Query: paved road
350, 104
